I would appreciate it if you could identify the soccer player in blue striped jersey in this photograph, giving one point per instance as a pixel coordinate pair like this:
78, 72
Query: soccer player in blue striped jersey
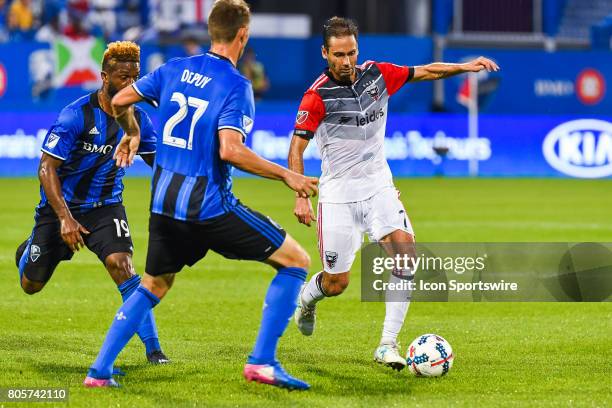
80, 194
206, 111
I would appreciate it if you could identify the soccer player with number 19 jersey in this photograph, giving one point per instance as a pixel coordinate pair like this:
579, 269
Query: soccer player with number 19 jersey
206, 110
345, 110
81, 189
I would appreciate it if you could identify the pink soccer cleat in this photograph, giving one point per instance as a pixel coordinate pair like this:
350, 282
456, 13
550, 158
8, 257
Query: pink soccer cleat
273, 374
91, 382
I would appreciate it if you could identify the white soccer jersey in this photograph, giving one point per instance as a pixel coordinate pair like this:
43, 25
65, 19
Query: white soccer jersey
348, 123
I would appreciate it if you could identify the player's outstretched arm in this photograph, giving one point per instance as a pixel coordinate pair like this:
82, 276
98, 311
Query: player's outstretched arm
303, 207
233, 151
441, 70
70, 229
123, 111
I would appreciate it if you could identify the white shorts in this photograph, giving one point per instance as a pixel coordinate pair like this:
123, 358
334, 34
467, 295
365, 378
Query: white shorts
341, 227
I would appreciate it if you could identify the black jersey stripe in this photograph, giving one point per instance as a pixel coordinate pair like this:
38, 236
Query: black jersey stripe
81, 191
156, 175
73, 161
172, 192
111, 179
111, 176
196, 198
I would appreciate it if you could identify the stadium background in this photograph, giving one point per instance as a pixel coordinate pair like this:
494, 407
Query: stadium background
555, 58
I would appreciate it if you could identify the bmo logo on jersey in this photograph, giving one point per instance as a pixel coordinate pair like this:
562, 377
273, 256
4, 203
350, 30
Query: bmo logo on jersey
94, 148
369, 117
580, 148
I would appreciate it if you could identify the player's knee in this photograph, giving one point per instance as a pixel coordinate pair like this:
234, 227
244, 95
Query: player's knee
31, 290
158, 285
301, 258
120, 267
291, 254
30, 287
333, 285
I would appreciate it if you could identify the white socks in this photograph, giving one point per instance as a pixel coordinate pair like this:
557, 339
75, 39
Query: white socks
313, 291
396, 304
396, 307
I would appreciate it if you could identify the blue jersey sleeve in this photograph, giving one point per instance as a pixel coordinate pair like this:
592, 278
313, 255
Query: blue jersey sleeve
149, 86
239, 110
60, 139
148, 135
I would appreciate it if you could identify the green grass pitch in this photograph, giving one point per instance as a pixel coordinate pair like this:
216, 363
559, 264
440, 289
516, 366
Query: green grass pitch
507, 354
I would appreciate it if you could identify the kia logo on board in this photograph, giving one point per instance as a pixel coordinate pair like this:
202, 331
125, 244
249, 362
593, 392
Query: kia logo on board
580, 148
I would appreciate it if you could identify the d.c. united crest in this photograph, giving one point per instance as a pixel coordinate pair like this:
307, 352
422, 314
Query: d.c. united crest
372, 90
331, 258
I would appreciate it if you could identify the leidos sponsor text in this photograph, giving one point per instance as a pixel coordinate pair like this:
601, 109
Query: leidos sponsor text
369, 117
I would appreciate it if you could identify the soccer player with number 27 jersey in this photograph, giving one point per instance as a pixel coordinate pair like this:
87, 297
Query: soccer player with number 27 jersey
206, 111
345, 110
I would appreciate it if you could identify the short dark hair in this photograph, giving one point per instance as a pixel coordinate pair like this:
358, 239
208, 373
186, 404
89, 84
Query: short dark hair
226, 18
338, 27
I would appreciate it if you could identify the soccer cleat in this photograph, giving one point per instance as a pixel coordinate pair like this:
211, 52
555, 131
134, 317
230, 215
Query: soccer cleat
388, 354
157, 357
305, 317
91, 382
273, 374
20, 250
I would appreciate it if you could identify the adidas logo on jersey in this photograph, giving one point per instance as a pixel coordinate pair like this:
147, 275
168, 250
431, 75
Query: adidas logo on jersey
94, 131
369, 117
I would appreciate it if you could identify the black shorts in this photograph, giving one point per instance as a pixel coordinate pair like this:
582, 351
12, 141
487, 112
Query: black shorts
239, 234
45, 248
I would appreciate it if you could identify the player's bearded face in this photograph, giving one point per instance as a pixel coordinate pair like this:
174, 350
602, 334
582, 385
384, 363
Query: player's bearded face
123, 74
342, 57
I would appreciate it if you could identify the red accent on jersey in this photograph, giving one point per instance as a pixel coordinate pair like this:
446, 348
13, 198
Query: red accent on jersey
366, 64
319, 81
395, 76
311, 111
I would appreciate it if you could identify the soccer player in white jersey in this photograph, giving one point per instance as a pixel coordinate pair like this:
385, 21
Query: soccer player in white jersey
345, 110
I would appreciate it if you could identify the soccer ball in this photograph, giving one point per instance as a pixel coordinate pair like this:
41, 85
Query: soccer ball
430, 355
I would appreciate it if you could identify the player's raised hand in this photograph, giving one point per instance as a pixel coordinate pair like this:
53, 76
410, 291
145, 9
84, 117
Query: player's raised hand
303, 211
71, 232
303, 185
479, 64
126, 150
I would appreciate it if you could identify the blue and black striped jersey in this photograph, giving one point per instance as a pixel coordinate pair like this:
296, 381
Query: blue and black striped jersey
196, 96
84, 137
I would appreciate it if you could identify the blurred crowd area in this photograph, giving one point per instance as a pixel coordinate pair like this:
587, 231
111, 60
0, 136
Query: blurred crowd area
57, 45
158, 21
170, 21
